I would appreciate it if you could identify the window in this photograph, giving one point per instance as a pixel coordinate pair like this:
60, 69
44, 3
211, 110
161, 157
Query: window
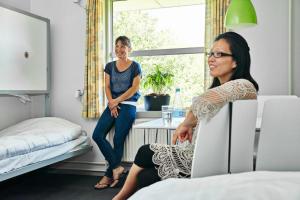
165, 32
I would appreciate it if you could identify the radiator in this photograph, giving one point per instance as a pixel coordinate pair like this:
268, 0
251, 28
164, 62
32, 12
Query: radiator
138, 137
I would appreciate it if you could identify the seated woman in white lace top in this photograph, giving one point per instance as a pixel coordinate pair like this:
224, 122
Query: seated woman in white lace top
229, 63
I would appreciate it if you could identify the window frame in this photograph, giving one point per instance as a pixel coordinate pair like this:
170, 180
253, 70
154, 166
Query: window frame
109, 47
110, 55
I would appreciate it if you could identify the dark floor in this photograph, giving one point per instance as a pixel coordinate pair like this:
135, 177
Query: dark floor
42, 185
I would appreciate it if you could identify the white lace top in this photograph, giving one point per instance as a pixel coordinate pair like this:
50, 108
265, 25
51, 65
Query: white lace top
175, 161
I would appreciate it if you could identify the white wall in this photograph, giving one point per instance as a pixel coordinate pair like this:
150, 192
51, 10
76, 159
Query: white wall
67, 24
268, 42
296, 46
23, 4
13, 111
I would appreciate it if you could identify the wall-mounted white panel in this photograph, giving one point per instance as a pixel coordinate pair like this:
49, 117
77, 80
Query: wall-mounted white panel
23, 52
23, 5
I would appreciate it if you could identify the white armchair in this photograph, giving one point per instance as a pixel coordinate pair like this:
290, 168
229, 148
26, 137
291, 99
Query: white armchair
211, 148
279, 142
261, 101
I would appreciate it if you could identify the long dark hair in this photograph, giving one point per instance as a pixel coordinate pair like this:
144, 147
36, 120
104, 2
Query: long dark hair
240, 51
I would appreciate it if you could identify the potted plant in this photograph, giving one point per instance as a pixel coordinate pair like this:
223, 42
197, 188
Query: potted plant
159, 81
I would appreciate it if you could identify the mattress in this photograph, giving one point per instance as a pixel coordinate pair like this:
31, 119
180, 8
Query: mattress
264, 185
35, 134
16, 162
37, 139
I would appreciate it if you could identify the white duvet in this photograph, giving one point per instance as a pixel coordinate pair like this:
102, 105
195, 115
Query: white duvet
259, 185
36, 134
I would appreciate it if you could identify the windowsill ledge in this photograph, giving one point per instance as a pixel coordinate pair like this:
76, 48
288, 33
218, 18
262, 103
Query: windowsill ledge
147, 114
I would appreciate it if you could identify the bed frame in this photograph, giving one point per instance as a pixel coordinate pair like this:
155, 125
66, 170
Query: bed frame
81, 149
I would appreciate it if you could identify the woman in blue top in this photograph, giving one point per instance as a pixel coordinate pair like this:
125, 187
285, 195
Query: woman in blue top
122, 80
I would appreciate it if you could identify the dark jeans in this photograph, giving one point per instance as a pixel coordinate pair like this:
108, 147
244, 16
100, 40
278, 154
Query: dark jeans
122, 124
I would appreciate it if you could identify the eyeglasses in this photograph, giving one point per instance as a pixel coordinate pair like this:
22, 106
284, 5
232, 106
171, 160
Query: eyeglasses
217, 54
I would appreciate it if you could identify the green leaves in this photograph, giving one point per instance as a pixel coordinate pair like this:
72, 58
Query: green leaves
158, 80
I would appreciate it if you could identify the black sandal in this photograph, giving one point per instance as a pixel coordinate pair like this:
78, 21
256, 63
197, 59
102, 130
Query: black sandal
103, 185
119, 182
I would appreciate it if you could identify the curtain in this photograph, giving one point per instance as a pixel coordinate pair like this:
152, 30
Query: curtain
215, 11
94, 72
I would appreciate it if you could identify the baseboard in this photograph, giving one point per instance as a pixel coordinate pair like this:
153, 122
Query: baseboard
73, 172
89, 167
82, 168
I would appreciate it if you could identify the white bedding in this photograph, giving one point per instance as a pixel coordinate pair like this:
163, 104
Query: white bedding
260, 185
36, 140
35, 134
19, 161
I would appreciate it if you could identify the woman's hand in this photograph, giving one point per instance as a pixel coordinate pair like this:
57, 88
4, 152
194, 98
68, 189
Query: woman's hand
113, 103
183, 132
114, 112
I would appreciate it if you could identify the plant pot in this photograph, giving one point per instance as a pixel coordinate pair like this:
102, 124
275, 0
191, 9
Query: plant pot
153, 102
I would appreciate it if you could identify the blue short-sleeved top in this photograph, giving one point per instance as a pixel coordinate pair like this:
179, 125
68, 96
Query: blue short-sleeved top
120, 82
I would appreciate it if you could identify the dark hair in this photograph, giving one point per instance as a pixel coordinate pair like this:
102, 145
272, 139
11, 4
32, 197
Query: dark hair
240, 51
124, 40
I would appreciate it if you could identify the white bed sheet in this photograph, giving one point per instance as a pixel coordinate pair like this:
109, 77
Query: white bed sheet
36, 134
261, 185
19, 161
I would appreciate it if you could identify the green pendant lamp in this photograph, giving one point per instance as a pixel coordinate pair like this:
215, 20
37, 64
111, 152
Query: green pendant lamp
240, 13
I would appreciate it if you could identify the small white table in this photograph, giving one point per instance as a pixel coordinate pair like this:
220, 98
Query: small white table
159, 124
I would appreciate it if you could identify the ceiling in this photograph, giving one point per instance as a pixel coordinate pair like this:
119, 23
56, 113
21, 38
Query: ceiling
152, 4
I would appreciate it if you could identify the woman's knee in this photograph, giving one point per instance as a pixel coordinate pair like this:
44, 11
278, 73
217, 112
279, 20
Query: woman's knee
144, 148
144, 156
141, 151
103, 126
98, 136
94, 137
147, 177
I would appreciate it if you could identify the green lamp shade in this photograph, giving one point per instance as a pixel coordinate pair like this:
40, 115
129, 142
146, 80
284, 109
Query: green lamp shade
240, 13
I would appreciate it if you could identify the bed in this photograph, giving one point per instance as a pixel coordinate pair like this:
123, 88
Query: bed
242, 186
38, 142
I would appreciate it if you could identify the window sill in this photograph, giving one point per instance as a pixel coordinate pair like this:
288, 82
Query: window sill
147, 114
